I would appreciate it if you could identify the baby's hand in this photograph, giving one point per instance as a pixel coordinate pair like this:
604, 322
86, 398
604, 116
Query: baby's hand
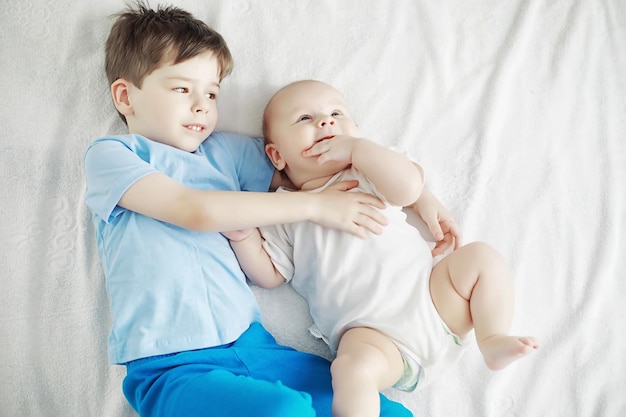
337, 148
238, 235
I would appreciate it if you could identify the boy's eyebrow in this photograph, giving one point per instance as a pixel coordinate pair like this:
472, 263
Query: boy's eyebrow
181, 78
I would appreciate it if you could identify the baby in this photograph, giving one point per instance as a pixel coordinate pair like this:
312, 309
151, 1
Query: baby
389, 316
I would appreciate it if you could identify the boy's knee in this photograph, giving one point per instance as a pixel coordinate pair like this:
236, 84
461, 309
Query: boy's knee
223, 393
288, 403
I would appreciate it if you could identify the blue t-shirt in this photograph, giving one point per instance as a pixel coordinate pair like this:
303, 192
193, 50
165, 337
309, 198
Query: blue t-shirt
171, 289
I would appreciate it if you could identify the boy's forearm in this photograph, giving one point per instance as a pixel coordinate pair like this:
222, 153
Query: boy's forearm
255, 262
232, 210
395, 176
160, 197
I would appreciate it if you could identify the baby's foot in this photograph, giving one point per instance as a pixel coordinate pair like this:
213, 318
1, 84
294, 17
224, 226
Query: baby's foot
499, 351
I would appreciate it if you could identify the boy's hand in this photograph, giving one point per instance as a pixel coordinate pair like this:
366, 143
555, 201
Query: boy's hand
336, 148
355, 212
238, 235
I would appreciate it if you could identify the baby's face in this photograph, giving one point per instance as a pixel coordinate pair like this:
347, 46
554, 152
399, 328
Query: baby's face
299, 116
176, 104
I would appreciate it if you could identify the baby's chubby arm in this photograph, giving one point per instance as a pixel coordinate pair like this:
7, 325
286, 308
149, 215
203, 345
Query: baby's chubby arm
395, 176
440, 222
399, 179
253, 259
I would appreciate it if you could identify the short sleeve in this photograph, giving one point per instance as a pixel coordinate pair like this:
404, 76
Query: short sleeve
110, 168
253, 168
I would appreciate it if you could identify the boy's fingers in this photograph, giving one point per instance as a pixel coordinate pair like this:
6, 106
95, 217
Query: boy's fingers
366, 223
359, 231
372, 201
375, 215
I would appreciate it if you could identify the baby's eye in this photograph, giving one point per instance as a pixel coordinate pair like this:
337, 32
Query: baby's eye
336, 113
211, 96
181, 90
304, 117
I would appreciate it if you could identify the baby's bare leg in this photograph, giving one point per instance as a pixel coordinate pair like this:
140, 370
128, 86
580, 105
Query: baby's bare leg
471, 288
367, 362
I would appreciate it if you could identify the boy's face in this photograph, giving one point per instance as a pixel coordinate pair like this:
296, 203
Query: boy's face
299, 116
176, 104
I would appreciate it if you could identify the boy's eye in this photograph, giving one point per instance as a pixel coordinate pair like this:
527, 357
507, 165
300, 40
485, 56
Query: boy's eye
304, 117
335, 113
211, 96
180, 89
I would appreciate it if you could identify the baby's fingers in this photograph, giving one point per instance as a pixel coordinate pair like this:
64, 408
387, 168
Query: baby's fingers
435, 228
317, 149
455, 230
443, 245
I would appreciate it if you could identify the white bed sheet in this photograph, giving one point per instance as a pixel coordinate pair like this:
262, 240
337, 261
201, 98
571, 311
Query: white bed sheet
516, 109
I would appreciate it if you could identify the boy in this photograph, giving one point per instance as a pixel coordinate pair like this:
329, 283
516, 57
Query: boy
388, 315
185, 323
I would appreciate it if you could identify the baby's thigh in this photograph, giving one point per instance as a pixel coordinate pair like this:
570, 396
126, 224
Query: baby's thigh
451, 283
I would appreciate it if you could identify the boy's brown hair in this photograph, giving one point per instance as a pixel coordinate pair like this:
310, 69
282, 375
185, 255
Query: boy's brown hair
142, 39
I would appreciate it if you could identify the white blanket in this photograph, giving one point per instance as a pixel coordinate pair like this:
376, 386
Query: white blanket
516, 110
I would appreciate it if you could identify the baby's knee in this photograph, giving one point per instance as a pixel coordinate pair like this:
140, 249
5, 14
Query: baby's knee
485, 254
342, 365
345, 369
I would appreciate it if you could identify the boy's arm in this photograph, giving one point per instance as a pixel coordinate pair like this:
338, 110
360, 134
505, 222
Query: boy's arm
395, 176
158, 196
253, 259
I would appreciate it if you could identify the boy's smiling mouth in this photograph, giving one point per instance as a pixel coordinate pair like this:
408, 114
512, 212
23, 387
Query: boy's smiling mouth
195, 127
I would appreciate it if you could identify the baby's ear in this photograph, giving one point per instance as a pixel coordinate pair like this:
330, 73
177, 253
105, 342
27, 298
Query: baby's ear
274, 155
121, 98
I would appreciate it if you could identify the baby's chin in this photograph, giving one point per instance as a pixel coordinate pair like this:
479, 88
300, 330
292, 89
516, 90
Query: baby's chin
321, 176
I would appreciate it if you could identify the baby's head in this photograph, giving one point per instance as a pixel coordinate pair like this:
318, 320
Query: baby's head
141, 40
298, 116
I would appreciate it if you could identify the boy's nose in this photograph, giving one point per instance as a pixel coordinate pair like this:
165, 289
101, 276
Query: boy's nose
201, 104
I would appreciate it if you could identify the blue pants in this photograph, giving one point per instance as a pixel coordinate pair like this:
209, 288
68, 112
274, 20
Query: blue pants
251, 377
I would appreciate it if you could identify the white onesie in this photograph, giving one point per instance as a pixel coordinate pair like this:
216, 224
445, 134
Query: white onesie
381, 282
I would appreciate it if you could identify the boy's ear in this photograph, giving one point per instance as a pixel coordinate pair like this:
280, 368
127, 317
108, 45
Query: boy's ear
274, 155
121, 98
